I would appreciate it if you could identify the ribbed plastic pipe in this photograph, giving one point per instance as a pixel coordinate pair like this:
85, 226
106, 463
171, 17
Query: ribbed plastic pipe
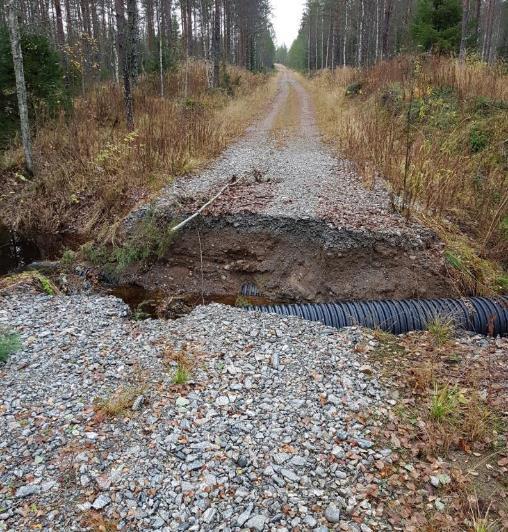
488, 316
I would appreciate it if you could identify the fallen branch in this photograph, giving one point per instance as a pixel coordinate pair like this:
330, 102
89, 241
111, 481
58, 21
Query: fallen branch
234, 181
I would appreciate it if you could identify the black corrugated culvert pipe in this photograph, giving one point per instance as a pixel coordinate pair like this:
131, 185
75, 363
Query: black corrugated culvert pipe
482, 315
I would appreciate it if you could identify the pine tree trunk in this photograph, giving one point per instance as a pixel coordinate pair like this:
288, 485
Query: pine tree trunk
377, 31
17, 57
478, 13
386, 27
124, 57
344, 51
60, 37
161, 40
360, 33
465, 24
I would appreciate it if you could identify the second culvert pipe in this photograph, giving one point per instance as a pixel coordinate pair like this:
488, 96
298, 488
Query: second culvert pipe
487, 316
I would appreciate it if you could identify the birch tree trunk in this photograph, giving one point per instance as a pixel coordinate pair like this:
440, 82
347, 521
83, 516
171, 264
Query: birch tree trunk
216, 45
17, 57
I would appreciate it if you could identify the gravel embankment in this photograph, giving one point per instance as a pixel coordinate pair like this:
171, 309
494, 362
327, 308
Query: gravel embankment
273, 432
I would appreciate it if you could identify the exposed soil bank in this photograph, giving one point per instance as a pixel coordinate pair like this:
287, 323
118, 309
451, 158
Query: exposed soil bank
297, 260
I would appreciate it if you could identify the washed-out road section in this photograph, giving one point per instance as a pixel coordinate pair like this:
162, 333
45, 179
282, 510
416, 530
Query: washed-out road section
299, 223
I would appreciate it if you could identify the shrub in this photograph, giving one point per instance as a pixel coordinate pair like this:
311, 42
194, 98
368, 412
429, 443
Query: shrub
478, 139
354, 88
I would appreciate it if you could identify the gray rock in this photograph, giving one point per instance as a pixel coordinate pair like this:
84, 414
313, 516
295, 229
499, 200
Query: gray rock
222, 401
101, 502
289, 475
332, 513
138, 403
256, 522
244, 516
182, 402
29, 489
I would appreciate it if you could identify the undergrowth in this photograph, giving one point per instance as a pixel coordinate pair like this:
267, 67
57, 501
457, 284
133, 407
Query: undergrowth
437, 131
90, 171
149, 240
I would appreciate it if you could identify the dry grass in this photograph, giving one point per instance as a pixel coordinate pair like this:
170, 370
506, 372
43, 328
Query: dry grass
120, 402
90, 171
288, 118
437, 131
450, 418
96, 522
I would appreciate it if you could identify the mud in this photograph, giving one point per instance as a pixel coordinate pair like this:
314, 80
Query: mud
295, 260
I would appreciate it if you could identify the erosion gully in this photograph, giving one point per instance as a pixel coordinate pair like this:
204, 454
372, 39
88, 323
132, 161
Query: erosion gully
254, 260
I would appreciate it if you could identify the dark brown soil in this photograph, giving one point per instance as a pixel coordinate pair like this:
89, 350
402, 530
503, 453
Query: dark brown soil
294, 260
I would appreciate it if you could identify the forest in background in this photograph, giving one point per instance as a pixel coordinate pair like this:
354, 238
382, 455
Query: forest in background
70, 46
359, 33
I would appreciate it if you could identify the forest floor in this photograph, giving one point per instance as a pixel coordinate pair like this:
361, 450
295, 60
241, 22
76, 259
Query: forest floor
230, 420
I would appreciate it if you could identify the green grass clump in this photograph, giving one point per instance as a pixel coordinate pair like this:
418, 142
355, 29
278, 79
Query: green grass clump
181, 375
446, 403
441, 329
9, 344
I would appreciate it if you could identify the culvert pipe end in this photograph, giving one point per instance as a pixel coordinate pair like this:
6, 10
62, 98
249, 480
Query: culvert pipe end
488, 316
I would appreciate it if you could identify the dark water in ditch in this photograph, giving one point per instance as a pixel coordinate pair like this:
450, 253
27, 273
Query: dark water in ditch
153, 304
15, 252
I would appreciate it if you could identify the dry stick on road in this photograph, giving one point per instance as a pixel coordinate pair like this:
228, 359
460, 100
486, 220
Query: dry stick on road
200, 210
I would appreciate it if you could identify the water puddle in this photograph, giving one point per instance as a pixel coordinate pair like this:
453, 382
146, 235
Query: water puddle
146, 304
15, 252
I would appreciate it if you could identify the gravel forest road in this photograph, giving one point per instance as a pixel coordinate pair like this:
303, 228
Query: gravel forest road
298, 219
285, 170
280, 423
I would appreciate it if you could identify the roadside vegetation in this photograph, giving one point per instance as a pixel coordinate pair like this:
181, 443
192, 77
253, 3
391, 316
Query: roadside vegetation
436, 130
92, 170
449, 421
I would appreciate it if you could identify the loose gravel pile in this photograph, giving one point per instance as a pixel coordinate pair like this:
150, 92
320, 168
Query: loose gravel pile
271, 432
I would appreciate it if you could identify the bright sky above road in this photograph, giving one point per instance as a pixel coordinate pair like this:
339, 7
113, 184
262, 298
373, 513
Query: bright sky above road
287, 15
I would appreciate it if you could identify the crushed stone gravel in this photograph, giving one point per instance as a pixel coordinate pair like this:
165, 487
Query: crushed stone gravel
244, 444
